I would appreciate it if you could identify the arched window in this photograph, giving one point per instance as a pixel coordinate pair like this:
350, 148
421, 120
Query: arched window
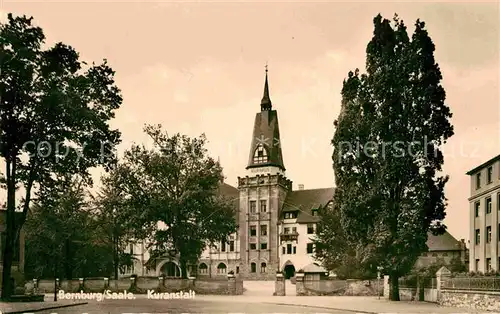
253, 268
260, 154
221, 268
263, 267
203, 269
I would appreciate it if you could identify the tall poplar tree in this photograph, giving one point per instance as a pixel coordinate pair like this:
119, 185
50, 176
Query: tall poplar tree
387, 157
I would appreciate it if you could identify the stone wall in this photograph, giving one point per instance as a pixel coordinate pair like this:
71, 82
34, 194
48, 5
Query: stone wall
228, 286
332, 286
479, 300
446, 295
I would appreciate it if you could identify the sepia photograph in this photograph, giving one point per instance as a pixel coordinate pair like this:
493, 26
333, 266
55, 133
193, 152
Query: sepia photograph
166, 156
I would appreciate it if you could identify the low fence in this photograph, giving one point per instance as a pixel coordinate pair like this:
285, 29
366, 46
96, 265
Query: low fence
332, 286
228, 286
472, 283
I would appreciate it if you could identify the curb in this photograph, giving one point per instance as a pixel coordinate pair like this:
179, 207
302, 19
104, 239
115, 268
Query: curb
46, 308
321, 307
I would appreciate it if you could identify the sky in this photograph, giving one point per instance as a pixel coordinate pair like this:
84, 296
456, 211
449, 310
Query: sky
198, 67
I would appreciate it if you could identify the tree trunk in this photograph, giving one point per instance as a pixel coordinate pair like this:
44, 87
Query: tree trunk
393, 287
183, 264
115, 257
68, 260
10, 236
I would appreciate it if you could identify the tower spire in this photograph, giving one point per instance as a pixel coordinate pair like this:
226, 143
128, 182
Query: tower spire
266, 104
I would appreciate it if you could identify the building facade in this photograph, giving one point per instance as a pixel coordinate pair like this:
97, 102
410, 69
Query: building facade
484, 224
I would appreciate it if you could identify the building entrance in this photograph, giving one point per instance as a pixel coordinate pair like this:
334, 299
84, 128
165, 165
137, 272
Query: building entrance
289, 271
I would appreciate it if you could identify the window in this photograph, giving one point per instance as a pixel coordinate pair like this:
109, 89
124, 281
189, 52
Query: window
263, 246
288, 249
488, 264
294, 250
314, 212
294, 229
237, 269
223, 247
478, 180
253, 231
477, 265
287, 230
309, 248
489, 177
283, 250
291, 215
253, 207
253, 246
263, 206
488, 234
221, 268
253, 267
263, 267
477, 205
231, 246
260, 155
203, 269
310, 228
263, 230
488, 205
478, 237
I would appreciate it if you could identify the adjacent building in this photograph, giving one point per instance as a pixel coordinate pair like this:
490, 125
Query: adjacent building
484, 206
443, 248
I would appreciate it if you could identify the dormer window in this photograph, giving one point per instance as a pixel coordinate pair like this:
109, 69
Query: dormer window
260, 156
291, 215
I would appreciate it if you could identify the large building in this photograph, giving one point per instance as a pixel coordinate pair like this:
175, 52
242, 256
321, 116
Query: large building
484, 222
277, 224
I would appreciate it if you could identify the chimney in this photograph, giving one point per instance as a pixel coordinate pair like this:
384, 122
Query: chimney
301, 187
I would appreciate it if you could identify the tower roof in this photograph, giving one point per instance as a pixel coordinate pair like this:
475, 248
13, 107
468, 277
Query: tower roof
265, 149
266, 103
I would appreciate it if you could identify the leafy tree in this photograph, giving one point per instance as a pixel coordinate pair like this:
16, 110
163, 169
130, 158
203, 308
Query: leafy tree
387, 155
61, 235
177, 184
457, 266
113, 221
54, 113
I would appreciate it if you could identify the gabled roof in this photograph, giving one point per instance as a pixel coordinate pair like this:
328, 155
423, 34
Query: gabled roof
444, 242
304, 201
231, 193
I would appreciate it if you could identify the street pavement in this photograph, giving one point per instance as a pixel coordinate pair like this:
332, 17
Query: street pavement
181, 306
257, 304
